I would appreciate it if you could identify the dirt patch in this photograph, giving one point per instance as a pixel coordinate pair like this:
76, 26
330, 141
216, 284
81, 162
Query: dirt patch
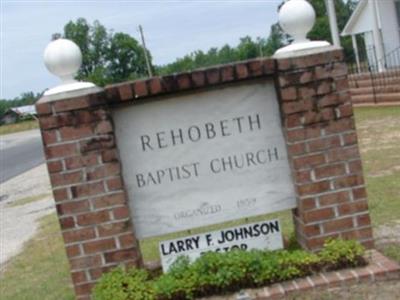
18, 223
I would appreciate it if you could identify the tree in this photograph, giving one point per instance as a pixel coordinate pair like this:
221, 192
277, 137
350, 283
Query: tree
107, 57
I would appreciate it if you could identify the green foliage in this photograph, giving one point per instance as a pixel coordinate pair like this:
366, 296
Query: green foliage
339, 253
124, 285
107, 57
218, 273
28, 98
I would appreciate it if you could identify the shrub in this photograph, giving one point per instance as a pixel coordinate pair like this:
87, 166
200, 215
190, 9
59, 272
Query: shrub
217, 273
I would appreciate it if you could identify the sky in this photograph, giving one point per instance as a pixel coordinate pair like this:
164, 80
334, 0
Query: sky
172, 29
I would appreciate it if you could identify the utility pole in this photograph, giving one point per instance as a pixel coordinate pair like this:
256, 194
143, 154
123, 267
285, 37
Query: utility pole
145, 52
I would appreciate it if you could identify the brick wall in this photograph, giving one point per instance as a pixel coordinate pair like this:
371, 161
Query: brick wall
85, 169
85, 175
323, 151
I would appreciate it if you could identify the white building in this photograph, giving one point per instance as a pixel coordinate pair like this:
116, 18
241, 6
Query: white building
379, 23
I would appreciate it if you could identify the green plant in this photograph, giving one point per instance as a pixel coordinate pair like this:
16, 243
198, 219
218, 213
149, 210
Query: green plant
120, 284
219, 273
338, 253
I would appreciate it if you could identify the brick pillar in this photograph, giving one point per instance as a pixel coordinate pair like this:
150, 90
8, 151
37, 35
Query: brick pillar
85, 174
322, 148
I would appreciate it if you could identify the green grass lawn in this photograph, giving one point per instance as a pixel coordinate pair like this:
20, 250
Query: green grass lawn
41, 270
21, 126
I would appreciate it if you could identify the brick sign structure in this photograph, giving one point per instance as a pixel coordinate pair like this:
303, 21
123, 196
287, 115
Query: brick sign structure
87, 168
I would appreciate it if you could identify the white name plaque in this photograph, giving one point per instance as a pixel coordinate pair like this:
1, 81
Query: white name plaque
261, 235
204, 158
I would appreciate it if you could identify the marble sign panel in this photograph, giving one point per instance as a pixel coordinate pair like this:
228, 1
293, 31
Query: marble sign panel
204, 158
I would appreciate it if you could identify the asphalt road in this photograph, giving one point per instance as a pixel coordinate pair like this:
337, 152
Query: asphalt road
19, 152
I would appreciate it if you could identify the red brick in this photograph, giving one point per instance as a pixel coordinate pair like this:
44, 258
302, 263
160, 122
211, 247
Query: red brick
85, 262
311, 230
343, 154
340, 126
333, 279
54, 166
109, 155
296, 149
241, 71
109, 200
293, 120
255, 68
323, 144
359, 193
73, 207
106, 170
303, 176
353, 207
303, 134
342, 84
99, 246
338, 225
72, 104
89, 189
112, 229
183, 81
61, 151
93, 218
318, 281
121, 255
155, 86
297, 106
307, 77
328, 100
330, 171
97, 272
59, 179
289, 94
198, 79
140, 88
339, 70
348, 181
114, 184
213, 76
307, 92
43, 108
104, 127
355, 166
127, 240
67, 223
350, 138
78, 162
83, 234
73, 251
324, 87
308, 161
318, 215
364, 220
84, 289
121, 212
344, 111
358, 234
49, 137
269, 66
125, 92
334, 198
78, 277
97, 143
317, 243
227, 73
307, 204
60, 194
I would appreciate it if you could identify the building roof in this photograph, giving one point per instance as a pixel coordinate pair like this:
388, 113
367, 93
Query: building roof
24, 110
356, 24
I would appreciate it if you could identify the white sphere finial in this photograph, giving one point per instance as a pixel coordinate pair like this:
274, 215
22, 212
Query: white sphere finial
297, 18
63, 58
